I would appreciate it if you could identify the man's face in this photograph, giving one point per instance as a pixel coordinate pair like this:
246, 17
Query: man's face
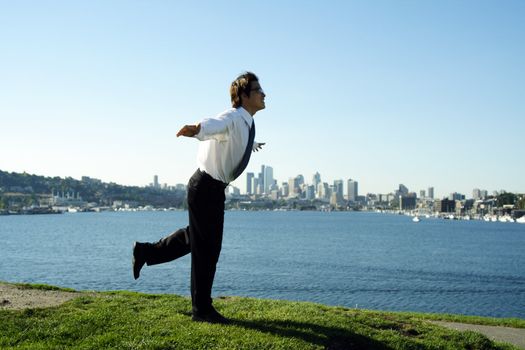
256, 100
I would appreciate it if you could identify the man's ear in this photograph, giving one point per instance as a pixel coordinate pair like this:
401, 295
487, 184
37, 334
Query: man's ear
243, 96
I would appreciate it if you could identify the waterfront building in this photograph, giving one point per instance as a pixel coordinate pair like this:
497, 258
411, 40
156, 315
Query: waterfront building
66, 199
407, 202
445, 205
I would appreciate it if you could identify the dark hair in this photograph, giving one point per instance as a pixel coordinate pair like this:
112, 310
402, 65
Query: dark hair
241, 85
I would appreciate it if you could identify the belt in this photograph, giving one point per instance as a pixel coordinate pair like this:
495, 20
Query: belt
210, 180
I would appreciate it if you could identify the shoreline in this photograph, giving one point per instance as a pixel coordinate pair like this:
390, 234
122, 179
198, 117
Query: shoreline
25, 299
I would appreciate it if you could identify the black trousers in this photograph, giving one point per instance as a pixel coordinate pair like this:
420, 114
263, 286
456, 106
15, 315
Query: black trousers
203, 238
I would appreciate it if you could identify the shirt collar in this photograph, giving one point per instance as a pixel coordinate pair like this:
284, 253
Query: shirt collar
246, 116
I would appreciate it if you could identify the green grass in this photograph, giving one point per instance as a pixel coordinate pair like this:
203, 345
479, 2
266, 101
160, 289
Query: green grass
41, 287
128, 320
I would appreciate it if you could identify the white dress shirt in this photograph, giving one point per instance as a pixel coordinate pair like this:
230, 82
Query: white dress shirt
224, 139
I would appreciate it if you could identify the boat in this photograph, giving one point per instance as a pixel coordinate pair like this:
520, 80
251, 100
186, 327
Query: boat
521, 220
415, 219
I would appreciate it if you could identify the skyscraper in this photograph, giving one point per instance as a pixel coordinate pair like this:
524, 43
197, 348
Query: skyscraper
260, 190
352, 190
294, 185
316, 179
249, 183
403, 190
268, 179
285, 189
156, 181
431, 192
338, 189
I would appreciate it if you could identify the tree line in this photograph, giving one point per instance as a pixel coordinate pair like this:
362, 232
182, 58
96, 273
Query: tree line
30, 189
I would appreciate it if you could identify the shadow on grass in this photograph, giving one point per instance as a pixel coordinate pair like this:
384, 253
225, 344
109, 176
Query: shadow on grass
331, 338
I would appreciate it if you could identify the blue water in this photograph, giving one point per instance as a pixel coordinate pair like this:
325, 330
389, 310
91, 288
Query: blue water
368, 260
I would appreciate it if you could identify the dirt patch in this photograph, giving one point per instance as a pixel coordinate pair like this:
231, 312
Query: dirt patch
18, 298
514, 336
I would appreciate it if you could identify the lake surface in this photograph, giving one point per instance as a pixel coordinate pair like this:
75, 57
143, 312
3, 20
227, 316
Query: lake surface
353, 259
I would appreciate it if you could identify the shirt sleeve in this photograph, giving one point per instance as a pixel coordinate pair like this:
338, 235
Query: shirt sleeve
217, 128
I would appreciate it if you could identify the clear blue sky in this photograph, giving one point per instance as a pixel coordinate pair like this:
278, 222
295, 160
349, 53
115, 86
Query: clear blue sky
424, 93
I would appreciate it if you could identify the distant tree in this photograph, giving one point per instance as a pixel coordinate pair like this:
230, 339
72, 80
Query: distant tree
506, 198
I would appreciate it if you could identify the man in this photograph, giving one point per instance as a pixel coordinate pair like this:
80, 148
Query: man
227, 143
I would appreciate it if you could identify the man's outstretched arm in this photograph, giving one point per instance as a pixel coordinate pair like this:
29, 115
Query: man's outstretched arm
189, 130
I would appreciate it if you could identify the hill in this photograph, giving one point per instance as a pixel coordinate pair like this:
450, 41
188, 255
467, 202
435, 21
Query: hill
21, 189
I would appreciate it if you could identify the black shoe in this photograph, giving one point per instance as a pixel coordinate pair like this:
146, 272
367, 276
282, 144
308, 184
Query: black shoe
138, 259
211, 317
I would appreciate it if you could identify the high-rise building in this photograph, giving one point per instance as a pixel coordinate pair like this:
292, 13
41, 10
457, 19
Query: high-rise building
431, 192
403, 190
316, 179
407, 202
249, 183
323, 191
351, 189
422, 194
285, 189
260, 190
294, 185
476, 193
156, 181
445, 205
454, 196
268, 179
300, 180
338, 189
310, 192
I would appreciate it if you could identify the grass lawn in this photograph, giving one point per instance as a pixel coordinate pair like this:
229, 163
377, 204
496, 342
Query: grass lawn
128, 320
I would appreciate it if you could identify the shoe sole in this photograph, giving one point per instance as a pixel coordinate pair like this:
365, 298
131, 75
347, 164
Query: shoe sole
136, 275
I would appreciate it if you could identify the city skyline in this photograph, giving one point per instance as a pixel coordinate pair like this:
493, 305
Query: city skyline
388, 93
350, 190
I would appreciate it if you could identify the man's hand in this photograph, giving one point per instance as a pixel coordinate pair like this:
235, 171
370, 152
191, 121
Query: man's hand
189, 130
257, 146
